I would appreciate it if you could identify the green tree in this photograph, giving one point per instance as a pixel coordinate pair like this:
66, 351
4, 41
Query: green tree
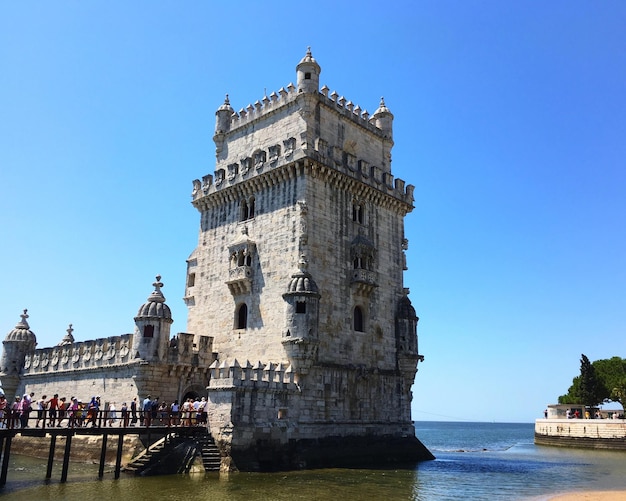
590, 390
612, 373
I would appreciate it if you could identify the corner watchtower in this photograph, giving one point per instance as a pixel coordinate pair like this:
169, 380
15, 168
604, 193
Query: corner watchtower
308, 73
152, 326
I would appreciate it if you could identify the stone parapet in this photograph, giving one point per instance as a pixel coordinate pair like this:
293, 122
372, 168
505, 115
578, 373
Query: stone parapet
582, 433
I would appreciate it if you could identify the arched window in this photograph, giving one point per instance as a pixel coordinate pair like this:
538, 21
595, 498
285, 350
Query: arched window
251, 208
242, 316
358, 319
148, 331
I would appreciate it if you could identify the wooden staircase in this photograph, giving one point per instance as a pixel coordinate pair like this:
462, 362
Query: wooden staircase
176, 453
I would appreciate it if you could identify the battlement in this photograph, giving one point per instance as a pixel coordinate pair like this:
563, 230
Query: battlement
268, 375
113, 351
276, 100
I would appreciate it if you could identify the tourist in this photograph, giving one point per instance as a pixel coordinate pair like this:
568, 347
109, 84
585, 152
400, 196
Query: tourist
3, 411
24, 408
133, 412
202, 415
92, 411
112, 414
163, 414
147, 411
16, 409
72, 413
154, 410
53, 405
41, 411
195, 412
62, 408
124, 420
187, 411
82, 413
175, 413
27, 401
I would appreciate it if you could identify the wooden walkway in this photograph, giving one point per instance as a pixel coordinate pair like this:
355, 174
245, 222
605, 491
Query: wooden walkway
151, 433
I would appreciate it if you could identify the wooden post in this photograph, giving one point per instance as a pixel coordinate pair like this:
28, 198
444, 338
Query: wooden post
53, 442
118, 459
5, 460
66, 457
103, 452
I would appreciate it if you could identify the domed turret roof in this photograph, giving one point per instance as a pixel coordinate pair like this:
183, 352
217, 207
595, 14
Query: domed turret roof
226, 106
22, 331
302, 282
309, 59
155, 305
382, 109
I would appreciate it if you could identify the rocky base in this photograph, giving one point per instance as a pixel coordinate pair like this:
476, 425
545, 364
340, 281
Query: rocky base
332, 452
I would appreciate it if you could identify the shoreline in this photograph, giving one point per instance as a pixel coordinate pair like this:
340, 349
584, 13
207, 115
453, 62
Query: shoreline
605, 495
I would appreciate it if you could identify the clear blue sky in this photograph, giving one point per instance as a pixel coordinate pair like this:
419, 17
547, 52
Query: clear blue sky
510, 120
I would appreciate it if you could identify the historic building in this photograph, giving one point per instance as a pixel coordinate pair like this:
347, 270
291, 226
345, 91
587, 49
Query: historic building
300, 330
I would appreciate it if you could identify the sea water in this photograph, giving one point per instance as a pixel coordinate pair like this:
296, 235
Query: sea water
475, 461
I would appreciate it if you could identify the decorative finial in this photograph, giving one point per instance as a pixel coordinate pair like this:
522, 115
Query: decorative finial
303, 264
226, 101
157, 295
157, 285
308, 51
23, 324
70, 330
382, 100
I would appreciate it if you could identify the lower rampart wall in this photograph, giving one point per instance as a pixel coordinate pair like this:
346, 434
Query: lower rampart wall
582, 433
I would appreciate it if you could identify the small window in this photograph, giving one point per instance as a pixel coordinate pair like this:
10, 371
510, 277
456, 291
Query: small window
243, 211
300, 307
148, 331
358, 319
242, 317
307, 76
246, 209
191, 280
357, 213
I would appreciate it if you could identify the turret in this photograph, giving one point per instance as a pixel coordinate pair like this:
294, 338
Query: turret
308, 74
152, 327
223, 117
300, 337
383, 119
18, 343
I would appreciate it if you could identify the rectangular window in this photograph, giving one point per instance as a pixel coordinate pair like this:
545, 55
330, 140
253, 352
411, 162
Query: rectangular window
300, 307
191, 280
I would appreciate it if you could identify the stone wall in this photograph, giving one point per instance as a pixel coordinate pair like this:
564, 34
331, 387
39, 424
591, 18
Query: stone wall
583, 433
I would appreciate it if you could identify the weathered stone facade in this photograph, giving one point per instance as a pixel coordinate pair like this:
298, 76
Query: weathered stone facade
298, 275
298, 318
117, 368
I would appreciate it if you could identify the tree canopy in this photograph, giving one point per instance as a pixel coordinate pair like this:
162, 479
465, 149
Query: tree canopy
601, 381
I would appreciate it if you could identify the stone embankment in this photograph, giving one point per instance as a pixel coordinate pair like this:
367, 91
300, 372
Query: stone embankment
582, 433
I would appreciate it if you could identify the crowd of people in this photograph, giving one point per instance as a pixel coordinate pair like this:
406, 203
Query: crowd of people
60, 412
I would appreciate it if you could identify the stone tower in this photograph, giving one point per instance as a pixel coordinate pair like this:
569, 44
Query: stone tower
17, 344
298, 278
